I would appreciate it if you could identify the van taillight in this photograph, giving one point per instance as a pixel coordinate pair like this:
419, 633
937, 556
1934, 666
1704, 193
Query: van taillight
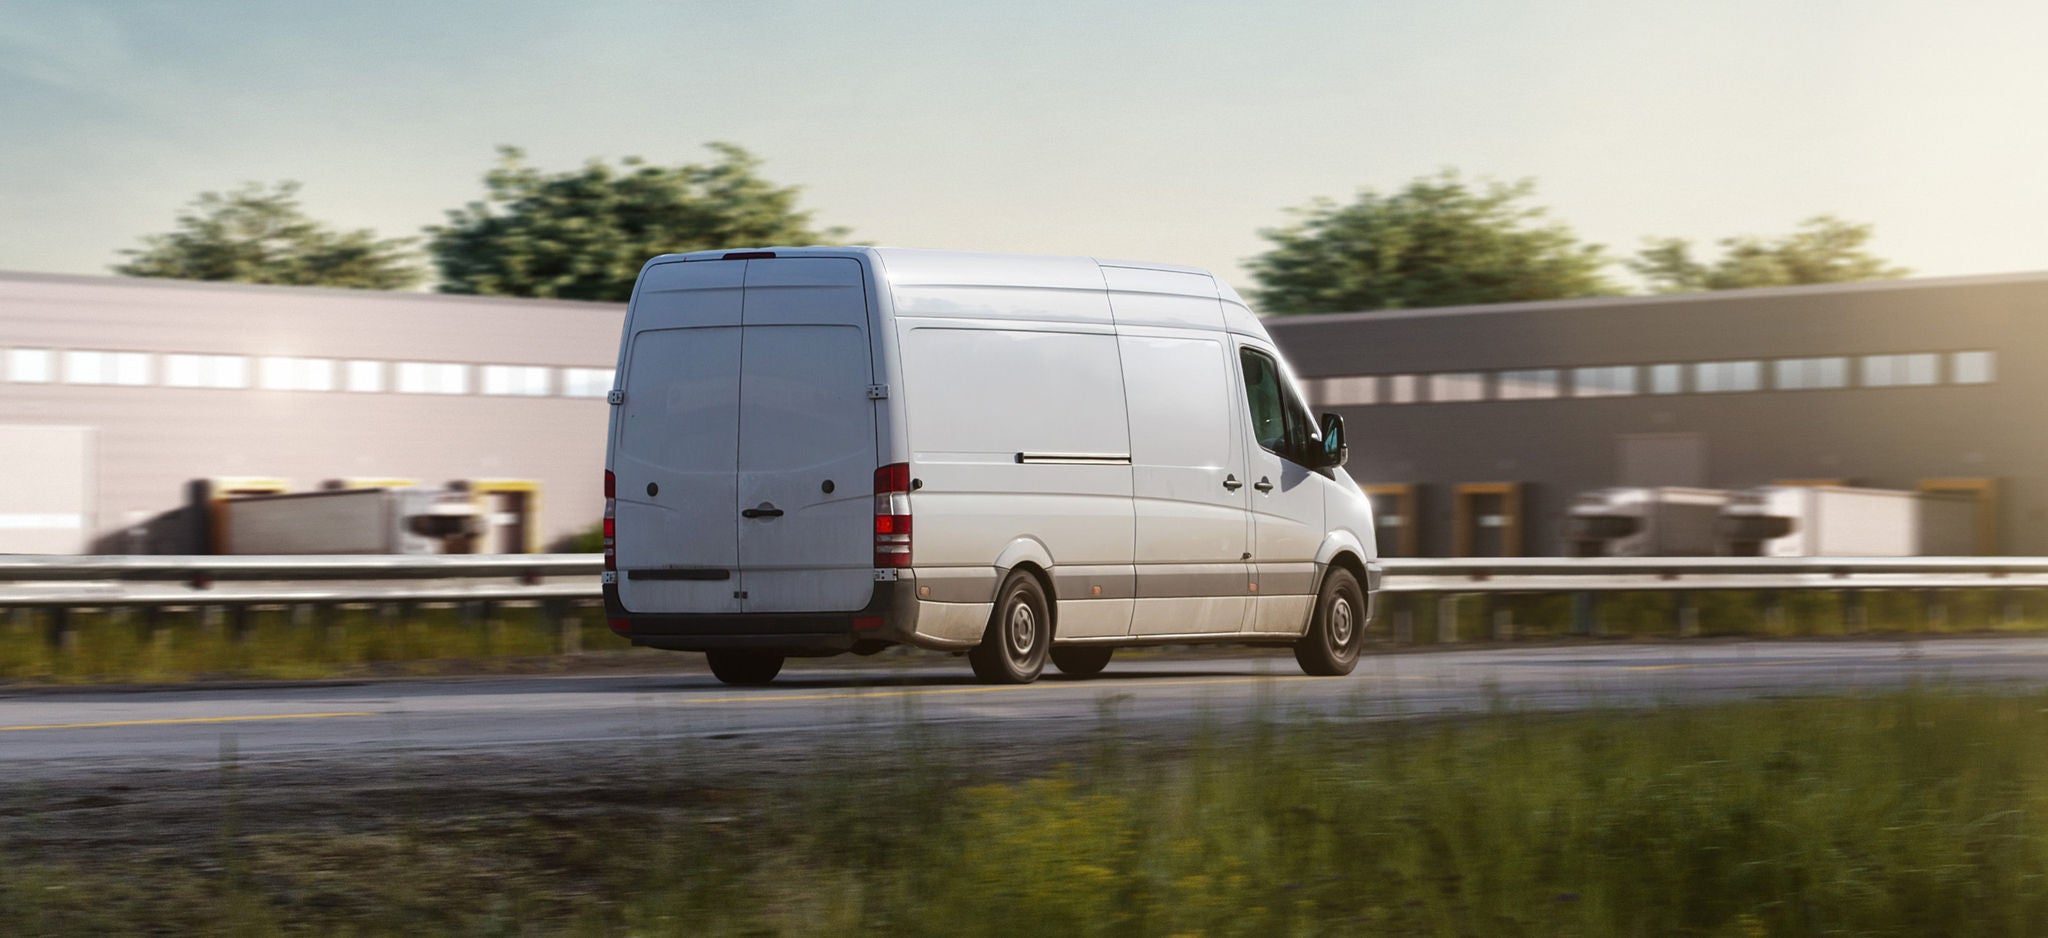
892, 515
611, 528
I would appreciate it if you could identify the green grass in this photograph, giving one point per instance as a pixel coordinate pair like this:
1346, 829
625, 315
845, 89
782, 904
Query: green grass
273, 643
186, 644
1910, 814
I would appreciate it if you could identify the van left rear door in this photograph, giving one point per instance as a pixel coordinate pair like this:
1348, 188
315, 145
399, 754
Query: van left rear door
676, 452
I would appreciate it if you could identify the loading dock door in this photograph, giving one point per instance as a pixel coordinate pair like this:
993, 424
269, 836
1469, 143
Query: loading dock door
46, 490
1487, 519
1394, 519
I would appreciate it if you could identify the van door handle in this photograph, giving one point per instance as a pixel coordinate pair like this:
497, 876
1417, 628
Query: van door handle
768, 512
1264, 484
1230, 482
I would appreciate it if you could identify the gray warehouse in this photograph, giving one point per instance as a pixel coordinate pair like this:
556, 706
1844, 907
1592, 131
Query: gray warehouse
1471, 426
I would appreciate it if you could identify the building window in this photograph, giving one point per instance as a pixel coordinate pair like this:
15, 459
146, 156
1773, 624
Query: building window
125, 368
297, 374
1667, 379
1604, 381
206, 371
1454, 386
1401, 389
1530, 384
28, 365
1972, 368
1808, 374
1348, 391
586, 382
432, 378
1721, 377
365, 376
521, 380
1886, 371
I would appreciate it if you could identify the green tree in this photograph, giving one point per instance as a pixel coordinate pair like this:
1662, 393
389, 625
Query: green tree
1825, 249
584, 234
259, 234
1436, 242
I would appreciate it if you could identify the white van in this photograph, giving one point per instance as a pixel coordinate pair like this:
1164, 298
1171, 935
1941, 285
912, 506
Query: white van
822, 450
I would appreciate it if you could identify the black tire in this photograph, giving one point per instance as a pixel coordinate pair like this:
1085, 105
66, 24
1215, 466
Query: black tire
1081, 660
744, 667
1013, 648
1338, 630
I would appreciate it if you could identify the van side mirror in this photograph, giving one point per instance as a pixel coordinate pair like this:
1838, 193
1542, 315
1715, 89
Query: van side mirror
1335, 451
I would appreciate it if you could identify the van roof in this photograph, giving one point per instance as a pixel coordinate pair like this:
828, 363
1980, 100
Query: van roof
925, 266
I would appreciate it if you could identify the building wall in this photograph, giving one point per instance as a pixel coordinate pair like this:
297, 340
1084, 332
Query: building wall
150, 440
1891, 437
142, 444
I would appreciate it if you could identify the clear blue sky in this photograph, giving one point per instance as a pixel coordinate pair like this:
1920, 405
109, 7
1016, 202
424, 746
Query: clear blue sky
1142, 129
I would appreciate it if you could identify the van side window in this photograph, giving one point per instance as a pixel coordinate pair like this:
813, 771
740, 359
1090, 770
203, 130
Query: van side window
1279, 422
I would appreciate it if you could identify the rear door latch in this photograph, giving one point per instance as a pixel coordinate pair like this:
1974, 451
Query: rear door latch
615, 396
878, 392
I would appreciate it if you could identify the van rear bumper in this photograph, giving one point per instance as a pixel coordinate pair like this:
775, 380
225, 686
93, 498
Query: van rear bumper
807, 633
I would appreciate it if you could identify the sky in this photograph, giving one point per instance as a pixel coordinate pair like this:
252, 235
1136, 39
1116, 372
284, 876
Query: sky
1140, 129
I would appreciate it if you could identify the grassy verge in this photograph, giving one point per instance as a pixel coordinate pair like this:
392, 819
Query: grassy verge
1919, 813
275, 643
182, 644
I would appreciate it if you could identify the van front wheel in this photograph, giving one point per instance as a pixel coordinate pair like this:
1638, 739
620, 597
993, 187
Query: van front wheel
1331, 646
741, 666
1013, 648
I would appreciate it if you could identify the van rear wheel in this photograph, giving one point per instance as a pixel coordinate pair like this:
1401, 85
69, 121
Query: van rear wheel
744, 667
1013, 648
1081, 660
1338, 631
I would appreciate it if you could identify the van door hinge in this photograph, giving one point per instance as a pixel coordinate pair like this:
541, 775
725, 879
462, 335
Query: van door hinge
615, 396
878, 392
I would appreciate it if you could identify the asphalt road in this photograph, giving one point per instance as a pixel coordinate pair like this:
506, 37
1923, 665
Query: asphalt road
50, 734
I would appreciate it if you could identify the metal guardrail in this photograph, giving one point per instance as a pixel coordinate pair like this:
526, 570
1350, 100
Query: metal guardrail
168, 581
58, 583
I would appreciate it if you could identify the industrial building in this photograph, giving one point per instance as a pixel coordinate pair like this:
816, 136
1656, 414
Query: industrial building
117, 395
124, 402
1474, 426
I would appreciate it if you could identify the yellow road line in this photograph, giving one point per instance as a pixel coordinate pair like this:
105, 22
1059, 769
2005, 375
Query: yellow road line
936, 691
186, 720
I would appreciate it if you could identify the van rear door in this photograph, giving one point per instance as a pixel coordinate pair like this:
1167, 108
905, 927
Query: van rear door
745, 453
806, 471
674, 453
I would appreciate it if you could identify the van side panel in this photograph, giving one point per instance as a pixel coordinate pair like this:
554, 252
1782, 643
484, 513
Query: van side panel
1020, 432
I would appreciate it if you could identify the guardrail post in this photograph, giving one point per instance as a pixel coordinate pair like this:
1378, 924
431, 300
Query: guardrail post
1934, 611
240, 619
1773, 603
1502, 616
1404, 619
1447, 618
1585, 614
2011, 609
1687, 612
568, 628
326, 619
63, 633
1855, 619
